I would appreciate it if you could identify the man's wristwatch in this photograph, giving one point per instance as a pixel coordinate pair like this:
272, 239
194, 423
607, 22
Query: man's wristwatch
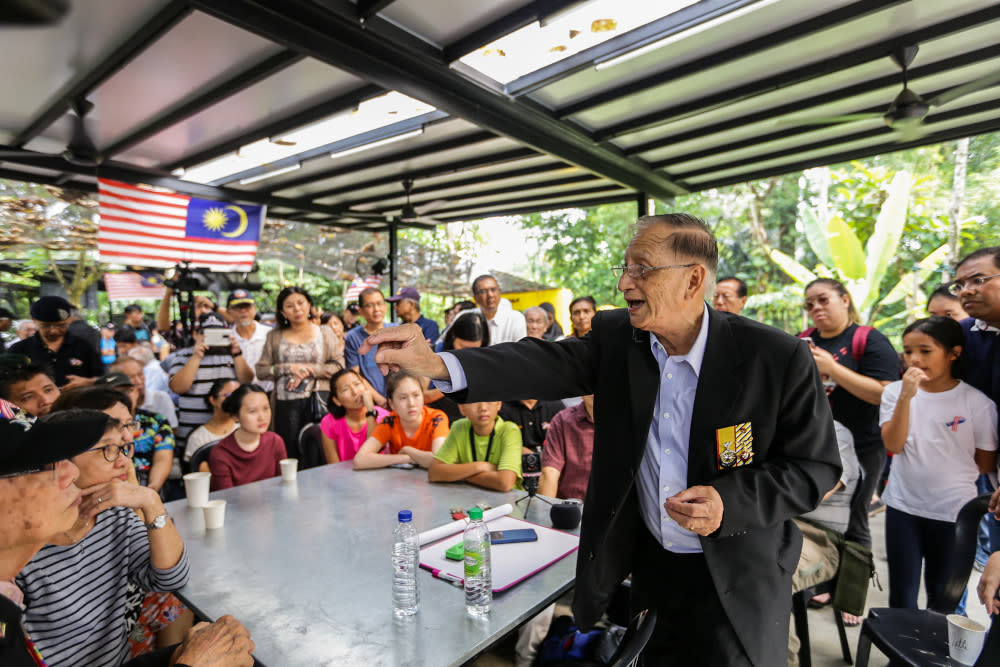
372, 413
158, 522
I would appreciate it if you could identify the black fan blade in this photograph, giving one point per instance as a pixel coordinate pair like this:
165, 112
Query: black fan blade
827, 120
973, 86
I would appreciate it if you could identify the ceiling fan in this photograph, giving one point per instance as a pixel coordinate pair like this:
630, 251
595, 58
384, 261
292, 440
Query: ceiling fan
409, 213
908, 110
80, 150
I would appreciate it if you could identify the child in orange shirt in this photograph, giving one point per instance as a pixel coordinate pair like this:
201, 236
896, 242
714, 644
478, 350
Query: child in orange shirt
413, 432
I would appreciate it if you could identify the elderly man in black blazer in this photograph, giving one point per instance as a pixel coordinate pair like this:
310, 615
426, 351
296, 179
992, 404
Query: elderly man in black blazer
712, 432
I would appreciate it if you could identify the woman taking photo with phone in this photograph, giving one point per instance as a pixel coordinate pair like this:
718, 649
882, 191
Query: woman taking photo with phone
299, 356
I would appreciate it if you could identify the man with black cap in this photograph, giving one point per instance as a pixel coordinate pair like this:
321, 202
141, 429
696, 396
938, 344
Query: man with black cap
74, 361
193, 370
39, 501
6, 322
250, 333
407, 302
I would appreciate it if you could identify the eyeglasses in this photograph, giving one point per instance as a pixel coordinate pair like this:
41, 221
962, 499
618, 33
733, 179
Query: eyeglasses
111, 452
129, 427
821, 300
960, 286
45, 467
638, 271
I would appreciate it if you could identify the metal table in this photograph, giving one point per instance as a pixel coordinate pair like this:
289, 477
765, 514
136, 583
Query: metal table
306, 567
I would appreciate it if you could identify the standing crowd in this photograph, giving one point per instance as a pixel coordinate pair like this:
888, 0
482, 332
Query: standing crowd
100, 424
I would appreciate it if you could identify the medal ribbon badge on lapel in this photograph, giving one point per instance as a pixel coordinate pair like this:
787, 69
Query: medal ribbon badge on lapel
735, 446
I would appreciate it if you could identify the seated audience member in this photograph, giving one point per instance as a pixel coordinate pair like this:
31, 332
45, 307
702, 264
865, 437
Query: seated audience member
456, 308
506, 324
108, 548
581, 311
193, 370
533, 417
820, 557
219, 426
555, 330
536, 322
73, 360
407, 302
26, 385
567, 453
150, 400
336, 323
152, 436
26, 329
353, 416
481, 449
942, 302
40, 501
730, 295
413, 432
251, 452
467, 330
156, 377
108, 346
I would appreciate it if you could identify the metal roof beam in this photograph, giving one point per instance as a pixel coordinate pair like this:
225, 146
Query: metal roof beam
429, 172
834, 141
248, 77
59, 180
584, 178
585, 203
729, 55
342, 43
83, 85
801, 74
132, 174
970, 58
604, 187
328, 107
857, 154
369, 8
465, 182
420, 151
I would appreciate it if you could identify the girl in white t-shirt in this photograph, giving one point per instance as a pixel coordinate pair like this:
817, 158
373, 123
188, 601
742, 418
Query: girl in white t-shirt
943, 433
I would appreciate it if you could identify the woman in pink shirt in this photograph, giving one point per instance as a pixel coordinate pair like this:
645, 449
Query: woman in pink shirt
251, 452
352, 417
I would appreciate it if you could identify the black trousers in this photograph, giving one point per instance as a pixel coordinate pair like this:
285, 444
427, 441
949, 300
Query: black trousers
872, 462
692, 628
289, 418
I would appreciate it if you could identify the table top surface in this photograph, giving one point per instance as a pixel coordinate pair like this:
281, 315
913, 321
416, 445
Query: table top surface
306, 567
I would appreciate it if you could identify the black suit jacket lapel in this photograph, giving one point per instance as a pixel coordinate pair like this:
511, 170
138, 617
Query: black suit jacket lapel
644, 382
719, 388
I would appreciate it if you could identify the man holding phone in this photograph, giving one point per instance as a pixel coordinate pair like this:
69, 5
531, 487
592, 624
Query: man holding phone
215, 355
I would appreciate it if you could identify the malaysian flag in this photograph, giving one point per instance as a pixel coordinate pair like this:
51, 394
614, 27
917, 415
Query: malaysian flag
130, 285
358, 285
143, 227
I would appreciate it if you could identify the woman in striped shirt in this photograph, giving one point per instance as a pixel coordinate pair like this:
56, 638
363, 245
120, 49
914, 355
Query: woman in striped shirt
76, 589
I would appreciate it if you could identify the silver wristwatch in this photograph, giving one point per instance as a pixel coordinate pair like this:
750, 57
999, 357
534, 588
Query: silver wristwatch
158, 522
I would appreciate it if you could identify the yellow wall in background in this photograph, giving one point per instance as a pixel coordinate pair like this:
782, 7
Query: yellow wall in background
559, 298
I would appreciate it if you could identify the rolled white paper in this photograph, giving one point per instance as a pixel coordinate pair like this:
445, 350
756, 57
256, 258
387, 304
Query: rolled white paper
456, 527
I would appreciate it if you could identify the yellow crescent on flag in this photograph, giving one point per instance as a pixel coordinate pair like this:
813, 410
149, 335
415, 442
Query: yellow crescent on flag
244, 223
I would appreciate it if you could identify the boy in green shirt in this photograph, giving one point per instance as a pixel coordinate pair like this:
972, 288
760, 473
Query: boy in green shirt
481, 449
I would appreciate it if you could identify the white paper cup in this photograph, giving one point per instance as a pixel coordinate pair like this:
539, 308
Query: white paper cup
215, 514
965, 639
289, 469
196, 486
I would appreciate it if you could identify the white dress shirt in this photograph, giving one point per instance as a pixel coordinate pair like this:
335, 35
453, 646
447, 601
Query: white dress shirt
252, 348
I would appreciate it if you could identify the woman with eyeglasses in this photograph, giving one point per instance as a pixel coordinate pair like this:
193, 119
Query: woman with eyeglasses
113, 555
856, 363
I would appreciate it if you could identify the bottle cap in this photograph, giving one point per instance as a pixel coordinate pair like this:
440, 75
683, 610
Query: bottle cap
476, 513
405, 516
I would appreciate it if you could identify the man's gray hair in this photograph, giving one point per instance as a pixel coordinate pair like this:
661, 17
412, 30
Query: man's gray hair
534, 308
142, 354
693, 239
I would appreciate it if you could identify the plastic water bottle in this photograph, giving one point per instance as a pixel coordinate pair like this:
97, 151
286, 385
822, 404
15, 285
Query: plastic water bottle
478, 577
405, 561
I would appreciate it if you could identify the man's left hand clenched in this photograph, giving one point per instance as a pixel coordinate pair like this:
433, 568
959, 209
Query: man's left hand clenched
698, 509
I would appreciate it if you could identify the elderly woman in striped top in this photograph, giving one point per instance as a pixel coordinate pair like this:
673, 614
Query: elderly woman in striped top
108, 549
